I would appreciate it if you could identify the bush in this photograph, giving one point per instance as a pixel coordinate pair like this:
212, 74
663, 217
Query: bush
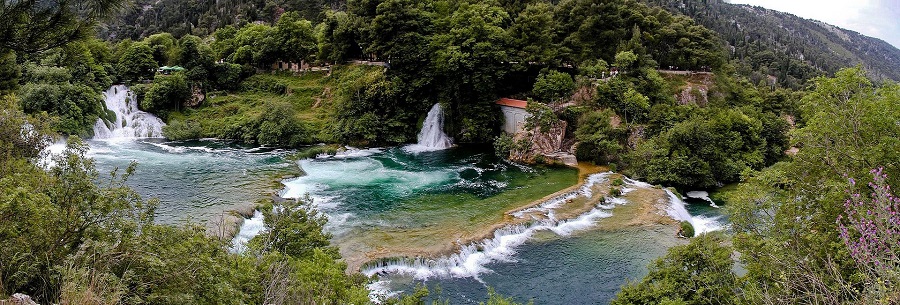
263, 84
553, 86
503, 144
77, 106
615, 192
618, 182
183, 130
686, 229
166, 93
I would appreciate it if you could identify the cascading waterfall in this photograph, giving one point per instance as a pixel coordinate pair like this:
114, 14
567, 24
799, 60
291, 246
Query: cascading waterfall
130, 122
678, 211
703, 196
432, 136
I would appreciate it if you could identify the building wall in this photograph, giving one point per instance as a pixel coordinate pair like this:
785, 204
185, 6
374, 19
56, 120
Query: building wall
513, 119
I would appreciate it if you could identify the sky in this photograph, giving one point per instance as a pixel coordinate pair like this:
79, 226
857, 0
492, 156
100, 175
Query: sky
876, 18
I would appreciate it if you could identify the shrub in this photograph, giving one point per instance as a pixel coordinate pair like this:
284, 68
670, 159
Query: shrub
263, 84
686, 230
553, 86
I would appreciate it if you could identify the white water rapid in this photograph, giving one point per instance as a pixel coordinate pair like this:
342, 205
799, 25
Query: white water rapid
472, 259
130, 122
703, 196
701, 224
432, 136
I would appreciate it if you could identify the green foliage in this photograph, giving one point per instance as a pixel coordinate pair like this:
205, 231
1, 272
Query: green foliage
707, 150
296, 40
541, 118
338, 37
625, 59
789, 240
77, 106
167, 92
598, 140
553, 86
9, 73
137, 63
697, 273
263, 84
594, 68
279, 126
503, 144
165, 48
533, 36
369, 111
686, 229
15, 144
31, 27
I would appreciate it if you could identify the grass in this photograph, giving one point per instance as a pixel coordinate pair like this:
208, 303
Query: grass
312, 95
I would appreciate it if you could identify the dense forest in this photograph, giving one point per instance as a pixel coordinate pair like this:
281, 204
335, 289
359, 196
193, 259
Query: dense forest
767, 42
817, 225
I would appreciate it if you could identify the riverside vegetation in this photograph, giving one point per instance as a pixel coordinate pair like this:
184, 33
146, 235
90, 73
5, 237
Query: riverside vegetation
74, 237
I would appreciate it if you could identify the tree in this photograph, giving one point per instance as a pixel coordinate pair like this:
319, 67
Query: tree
296, 39
167, 92
9, 73
696, 273
784, 217
35, 26
625, 59
338, 37
598, 140
532, 35
469, 57
553, 86
137, 63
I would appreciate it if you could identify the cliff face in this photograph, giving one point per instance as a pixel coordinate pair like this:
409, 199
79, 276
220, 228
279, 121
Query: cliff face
549, 146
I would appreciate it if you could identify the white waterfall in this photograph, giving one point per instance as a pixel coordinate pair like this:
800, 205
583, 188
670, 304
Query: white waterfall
678, 211
130, 122
703, 196
432, 136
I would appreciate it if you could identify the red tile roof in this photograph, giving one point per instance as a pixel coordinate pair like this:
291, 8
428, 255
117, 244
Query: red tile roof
512, 103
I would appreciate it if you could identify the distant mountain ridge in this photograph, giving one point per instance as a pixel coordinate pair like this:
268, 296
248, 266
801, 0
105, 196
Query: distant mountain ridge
769, 42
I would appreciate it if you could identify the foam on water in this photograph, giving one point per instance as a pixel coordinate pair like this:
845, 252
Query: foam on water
703, 195
250, 228
701, 224
472, 259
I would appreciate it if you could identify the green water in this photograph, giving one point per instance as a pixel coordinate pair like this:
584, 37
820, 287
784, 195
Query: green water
396, 201
390, 202
194, 180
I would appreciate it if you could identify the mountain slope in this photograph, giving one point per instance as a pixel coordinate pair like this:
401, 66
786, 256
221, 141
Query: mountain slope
768, 42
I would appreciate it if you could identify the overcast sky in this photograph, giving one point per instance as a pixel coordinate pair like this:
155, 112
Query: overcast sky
876, 18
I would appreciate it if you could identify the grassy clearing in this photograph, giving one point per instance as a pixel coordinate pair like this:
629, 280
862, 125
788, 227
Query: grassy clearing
310, 95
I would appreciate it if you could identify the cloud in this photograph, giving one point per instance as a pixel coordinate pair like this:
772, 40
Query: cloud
876, 18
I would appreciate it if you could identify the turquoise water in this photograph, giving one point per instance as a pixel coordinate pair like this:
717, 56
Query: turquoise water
588, 267
194, 180
396, 199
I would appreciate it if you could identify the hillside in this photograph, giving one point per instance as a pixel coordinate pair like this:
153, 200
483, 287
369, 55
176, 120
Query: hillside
201, 17
768, 42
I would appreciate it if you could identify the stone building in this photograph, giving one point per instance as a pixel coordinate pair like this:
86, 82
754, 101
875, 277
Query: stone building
514, 114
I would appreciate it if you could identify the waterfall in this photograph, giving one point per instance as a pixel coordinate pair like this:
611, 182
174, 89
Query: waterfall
432, 136
130, 122
703, 196
701, 224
